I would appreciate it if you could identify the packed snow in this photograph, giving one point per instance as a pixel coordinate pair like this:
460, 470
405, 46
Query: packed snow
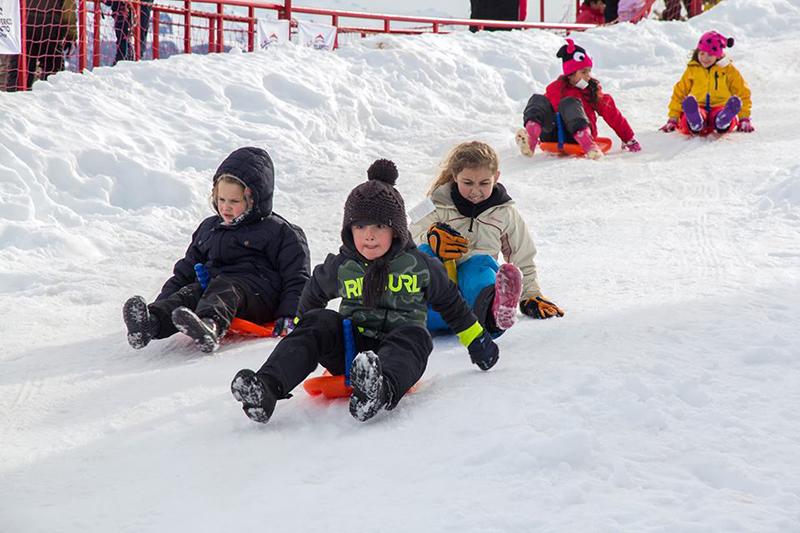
666, 400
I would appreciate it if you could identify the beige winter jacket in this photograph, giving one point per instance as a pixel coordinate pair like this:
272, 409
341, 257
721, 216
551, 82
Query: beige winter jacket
499, 229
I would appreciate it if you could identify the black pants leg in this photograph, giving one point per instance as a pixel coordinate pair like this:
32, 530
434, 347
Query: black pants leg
404, 356
540, 110
317, 339
573, 117
222, 300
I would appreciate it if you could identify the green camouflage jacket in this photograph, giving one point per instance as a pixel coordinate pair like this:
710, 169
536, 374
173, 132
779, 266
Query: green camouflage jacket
415, 280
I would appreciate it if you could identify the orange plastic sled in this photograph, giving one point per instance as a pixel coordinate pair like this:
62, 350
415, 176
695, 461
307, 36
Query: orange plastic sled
332, 386
251, 329
575, 149
327, 385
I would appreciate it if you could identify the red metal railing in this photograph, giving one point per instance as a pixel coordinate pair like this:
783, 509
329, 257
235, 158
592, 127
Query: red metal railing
203, 26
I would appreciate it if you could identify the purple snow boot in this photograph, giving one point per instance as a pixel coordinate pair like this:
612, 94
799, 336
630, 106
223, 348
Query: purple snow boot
726, 116
692, 112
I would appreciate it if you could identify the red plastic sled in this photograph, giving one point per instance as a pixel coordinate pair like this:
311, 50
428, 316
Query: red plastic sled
250, 329
575, 149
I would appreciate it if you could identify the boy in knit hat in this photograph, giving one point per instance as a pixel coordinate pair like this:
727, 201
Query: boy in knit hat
385, 284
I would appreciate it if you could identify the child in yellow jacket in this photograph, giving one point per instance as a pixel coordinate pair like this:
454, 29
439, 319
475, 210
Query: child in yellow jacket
711, 93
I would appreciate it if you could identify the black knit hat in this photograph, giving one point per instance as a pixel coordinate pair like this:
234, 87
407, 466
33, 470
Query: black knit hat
376, 201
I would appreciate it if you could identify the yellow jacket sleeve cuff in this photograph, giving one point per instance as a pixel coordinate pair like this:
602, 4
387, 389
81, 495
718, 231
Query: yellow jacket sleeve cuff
470, 334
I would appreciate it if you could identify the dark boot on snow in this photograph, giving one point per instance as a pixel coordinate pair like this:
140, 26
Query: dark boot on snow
142, 326
258, 398
371, 392
204, 331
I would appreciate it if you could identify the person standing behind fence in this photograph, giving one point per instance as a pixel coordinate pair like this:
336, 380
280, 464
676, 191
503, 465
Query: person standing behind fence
592, 12
513, 10
125, 13
51, 30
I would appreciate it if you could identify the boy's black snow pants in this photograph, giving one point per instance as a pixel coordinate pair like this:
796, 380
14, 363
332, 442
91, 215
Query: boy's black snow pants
223, 299
319, 339
540, 110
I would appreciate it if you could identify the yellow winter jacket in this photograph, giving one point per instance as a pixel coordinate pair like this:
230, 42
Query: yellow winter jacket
719, 82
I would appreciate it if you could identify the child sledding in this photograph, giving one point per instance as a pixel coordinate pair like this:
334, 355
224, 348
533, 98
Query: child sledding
257, 261
567, 112
471, 220
386, 284
711, 96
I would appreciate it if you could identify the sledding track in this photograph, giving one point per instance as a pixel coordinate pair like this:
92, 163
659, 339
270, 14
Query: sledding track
664, 401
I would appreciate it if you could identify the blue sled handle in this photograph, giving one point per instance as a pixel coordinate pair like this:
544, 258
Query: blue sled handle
560, 131
202, 275
349, 348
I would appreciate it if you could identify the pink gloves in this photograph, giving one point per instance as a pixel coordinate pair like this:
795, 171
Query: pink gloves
632, 145
671, 125
745, 125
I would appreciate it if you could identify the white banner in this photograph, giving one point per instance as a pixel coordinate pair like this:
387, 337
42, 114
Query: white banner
10, 34
272, 32
317, 36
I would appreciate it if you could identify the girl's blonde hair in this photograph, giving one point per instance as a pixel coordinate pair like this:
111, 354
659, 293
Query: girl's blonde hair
473, 154
233, 180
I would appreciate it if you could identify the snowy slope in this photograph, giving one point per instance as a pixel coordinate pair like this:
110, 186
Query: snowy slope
666, 400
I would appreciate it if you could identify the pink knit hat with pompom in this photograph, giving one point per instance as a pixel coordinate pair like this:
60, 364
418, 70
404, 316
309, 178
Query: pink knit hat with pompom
714, 43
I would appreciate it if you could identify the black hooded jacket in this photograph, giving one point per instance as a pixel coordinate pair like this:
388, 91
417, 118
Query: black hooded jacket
262, 249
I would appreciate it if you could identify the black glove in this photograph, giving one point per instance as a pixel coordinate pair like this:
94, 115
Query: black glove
538, 307
483, 351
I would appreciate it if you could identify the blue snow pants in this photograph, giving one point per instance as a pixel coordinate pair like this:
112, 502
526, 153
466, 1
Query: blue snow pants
474, 275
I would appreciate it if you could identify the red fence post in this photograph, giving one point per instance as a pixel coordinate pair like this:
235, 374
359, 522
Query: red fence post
435, 27
251, 15
22, 61
82, 19
697, 8
98, 12
287, 9
387, 28
156, 29
220, 20
577, 8
212, 34
137, 32
541, 11
187, 27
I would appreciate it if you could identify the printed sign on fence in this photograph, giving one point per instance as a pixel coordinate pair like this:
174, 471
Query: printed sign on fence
272, 32
317, 36
10, 33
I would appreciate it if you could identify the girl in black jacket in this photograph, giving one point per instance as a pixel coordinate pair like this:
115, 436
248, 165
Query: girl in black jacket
257, 261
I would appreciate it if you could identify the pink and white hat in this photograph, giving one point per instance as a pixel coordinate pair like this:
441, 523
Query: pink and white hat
573, 58
714, 43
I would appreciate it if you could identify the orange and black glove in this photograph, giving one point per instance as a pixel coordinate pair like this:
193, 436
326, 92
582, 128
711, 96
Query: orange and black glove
446, 242
538, 307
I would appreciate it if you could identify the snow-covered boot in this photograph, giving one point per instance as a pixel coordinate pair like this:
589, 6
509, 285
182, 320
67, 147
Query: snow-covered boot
586, 141
528, 137
257, 397
728, 113
204, 331
507, 290
142, 326
691, 110
371, 392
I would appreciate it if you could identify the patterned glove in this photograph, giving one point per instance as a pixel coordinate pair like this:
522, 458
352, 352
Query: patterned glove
283, 326
632, 145
671, 125
746, 126
483, 351
538, 307
446, 242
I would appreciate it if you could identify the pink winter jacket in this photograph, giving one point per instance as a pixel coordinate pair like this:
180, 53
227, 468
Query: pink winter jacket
587, 15
606, 108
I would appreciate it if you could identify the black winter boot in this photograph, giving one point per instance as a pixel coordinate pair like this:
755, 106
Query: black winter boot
257, 397
142, 326
204, 331
371, 392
